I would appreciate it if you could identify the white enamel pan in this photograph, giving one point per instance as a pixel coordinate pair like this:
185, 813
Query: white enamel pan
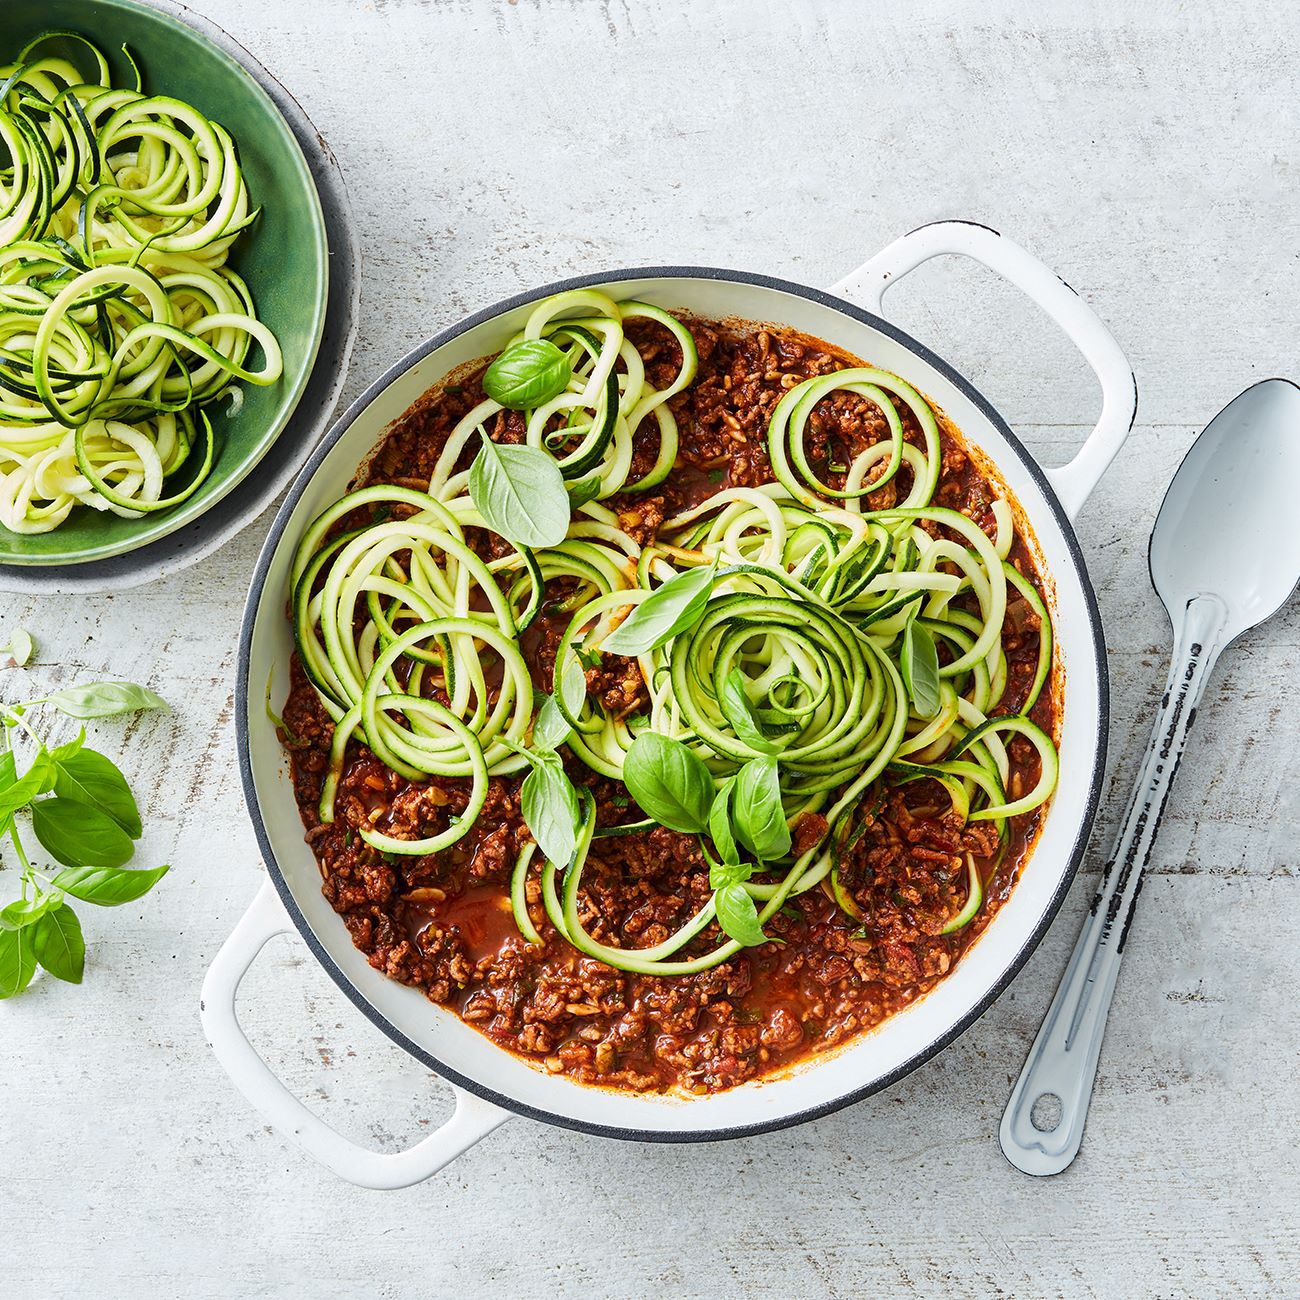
490, 1084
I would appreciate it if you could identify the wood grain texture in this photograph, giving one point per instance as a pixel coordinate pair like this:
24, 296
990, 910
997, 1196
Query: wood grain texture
1148, 153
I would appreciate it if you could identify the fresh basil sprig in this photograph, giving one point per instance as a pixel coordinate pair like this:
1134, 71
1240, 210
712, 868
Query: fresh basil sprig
919, 661
84, 816
551, 725
670, 782
670, 609
519, 491
674, 787
527, 374
547, 798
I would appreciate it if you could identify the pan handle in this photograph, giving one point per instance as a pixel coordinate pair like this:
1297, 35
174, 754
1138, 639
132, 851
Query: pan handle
472, 1120
1073, 483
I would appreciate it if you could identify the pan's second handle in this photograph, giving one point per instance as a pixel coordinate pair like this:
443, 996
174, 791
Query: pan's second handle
1043, 1124
472, 1120
1074, 482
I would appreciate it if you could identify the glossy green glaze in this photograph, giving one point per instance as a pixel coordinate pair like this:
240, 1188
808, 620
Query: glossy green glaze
283, 257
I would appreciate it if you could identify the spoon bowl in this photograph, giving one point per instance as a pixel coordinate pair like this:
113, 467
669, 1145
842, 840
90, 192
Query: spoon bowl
1230, 525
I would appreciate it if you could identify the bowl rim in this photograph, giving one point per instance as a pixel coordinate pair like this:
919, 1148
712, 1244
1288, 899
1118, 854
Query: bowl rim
157, 527
244, 695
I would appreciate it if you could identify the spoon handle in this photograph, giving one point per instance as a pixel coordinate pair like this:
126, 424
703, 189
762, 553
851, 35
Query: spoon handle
1043, 1124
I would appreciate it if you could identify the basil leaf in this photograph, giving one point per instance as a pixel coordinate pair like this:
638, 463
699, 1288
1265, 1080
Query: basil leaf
738, 711
20, 649
920, 664
550, 807
527, 374
60, 947
583, 490
670, 609
738, 916
573, 687
669, 781
519, 491
89, 777
79, 835
105, 699
550, 727
18, 792
17, 961
720, 825
27, 911
108, 886
61, 752
758, 814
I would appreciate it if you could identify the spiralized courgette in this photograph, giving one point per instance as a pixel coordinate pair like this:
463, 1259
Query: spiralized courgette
818, 611
120, 318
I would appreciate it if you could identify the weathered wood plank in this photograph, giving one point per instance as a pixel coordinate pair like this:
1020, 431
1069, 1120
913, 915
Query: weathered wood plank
1150, 155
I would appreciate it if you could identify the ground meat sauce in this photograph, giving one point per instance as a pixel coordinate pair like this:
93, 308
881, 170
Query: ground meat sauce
443, 922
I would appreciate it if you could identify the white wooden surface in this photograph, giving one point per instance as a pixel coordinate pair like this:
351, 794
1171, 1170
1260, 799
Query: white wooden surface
1147, 152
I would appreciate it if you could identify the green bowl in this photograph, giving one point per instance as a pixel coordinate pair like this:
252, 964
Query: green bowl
283, 257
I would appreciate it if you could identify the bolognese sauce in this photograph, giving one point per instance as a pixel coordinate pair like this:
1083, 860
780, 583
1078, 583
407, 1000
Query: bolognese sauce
838, 960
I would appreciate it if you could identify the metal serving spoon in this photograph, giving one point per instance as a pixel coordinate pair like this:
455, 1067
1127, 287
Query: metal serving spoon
1225, 557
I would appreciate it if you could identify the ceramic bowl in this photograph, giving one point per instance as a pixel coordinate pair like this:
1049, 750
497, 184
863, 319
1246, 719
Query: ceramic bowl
283, 257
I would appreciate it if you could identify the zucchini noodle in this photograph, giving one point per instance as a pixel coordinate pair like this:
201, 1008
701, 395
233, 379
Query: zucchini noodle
120, 319
800, 652
589, 426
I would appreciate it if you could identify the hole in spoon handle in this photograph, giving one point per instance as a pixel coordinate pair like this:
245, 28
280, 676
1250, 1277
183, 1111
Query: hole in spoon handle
1047, 1113
1043, 1124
